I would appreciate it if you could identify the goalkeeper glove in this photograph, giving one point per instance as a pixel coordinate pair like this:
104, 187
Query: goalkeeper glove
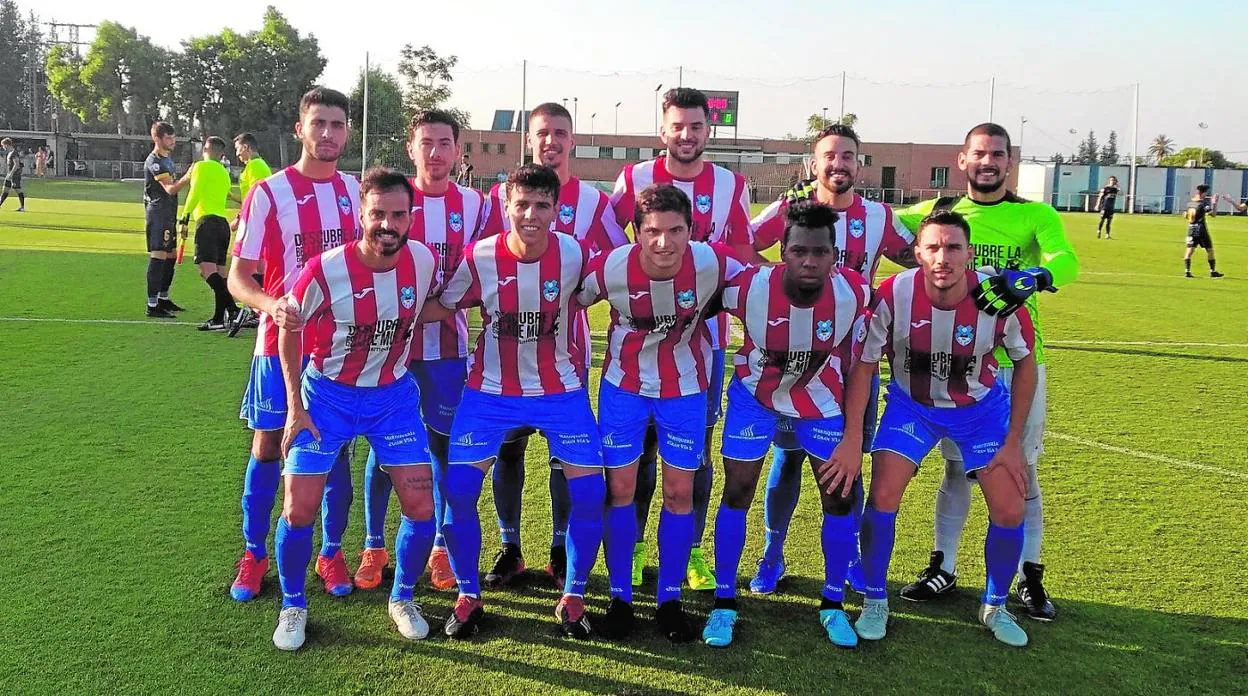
1003, 294
801, 191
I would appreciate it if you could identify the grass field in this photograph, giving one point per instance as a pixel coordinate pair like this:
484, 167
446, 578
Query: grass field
120, 502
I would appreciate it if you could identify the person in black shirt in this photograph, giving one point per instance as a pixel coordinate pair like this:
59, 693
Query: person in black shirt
160, 202
13, 166
1200, 207
1105, 203
465, 172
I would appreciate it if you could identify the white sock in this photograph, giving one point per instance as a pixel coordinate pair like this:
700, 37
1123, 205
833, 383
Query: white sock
953, 504
1033, 530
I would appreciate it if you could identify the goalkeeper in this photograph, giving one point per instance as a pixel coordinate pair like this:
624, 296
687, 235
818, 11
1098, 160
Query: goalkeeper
1026, 244
205, 206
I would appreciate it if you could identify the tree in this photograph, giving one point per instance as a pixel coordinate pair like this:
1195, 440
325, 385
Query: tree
1088, 150
124, 79
15, 56
1057, 158
850, 120
427, 81
387, 132
275, 67
1109, 153
1160, 148
1201, 156
816, 123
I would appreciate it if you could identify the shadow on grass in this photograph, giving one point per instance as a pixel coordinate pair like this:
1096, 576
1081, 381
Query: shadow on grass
1147, 353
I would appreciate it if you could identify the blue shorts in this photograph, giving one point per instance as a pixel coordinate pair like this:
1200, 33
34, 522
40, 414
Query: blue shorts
441, 385
911, 429
715, 390
787, 440
264, 401
624, 416
483, 422
750, 427
383, 415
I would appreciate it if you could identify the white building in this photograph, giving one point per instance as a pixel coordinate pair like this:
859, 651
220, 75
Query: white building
1158, 189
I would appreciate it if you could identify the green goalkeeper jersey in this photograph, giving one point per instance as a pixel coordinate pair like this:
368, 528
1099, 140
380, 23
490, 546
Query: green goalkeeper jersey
210, 187
1011, 233
255, 171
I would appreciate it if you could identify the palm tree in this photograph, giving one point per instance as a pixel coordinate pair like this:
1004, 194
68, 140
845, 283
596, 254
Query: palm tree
1161, 147
850, 120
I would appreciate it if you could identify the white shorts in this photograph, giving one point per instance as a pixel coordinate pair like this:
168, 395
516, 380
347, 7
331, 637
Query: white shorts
1033, 429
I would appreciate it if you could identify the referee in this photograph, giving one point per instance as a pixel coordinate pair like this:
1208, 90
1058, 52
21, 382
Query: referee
205, 206
13, 166
160, 200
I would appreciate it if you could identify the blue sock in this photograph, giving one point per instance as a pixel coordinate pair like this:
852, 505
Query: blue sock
336, 505
411, 551
675, 540
617, 545
784, 485
1002, 549
879, 531
462, 526
703, 479
837, 540
439, 502
729, 543
560, 508
293, 548
647, 473
589, 496
508, 497
259, 493
377, 489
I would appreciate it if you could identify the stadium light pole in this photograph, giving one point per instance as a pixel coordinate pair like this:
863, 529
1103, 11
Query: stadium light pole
825, 116
617, 117
1073, 156
591, 127
842, 95
1022, 121
574, 115
1135, 143
1203, 127
364, 126
656, 108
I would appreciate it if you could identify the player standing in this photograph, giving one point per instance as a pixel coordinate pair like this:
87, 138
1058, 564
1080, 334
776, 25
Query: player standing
255, 170
1200, 207
1105, 202
945, 384
356, 306
583, 212
464, 177
721, 213
13, 166
446, 217
524, 372
205, 207
287, 219
866, 231
160, 200
799, 320
1009, 233
656, 370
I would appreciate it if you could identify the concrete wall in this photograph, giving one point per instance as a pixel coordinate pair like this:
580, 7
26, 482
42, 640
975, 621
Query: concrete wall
1158, 189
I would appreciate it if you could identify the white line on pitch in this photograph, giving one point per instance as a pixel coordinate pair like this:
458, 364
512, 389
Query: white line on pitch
1175, 344
100, 321
1207, 468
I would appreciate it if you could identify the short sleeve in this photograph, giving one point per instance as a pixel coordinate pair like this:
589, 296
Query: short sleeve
1018, 335
310, 294
464, 288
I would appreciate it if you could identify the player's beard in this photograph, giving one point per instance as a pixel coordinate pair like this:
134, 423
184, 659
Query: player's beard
838, 188
985, 188
320, 152
674, 153
397, 247
555, 157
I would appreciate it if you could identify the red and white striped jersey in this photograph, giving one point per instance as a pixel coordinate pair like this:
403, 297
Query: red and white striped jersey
581, 211
447, 224
941, 357
794, 358
525, 347
865, 231
360, 321
657, 346
721, 210
289, 219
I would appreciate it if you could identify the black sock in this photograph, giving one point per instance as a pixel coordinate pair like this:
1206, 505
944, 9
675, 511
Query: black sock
167, 279
1213, 265
21, 199
155, 272
729, 603
4, 197
1187, 264
1108, 225
222, 296
826, 603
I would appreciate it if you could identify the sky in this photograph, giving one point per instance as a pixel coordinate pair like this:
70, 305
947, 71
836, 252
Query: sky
916, 71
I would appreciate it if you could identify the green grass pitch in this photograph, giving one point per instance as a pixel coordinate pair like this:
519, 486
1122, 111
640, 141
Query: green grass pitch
124, 458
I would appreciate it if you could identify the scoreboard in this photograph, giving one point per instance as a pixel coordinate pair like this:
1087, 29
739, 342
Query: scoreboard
723, 108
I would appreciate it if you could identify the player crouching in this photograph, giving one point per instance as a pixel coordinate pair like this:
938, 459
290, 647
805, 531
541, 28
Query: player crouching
940, 350
799, 321
357, 305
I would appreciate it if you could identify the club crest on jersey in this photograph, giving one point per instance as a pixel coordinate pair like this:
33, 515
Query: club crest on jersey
566, 213
456, 221
964, 334
686, 299
550, 290
857, 228
823, 329
344, 204
703, 202
408, 297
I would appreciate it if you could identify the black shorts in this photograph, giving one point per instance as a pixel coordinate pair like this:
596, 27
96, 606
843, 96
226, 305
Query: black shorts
1198, 237
212, 240
1107, 213
13, 182
161, 228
